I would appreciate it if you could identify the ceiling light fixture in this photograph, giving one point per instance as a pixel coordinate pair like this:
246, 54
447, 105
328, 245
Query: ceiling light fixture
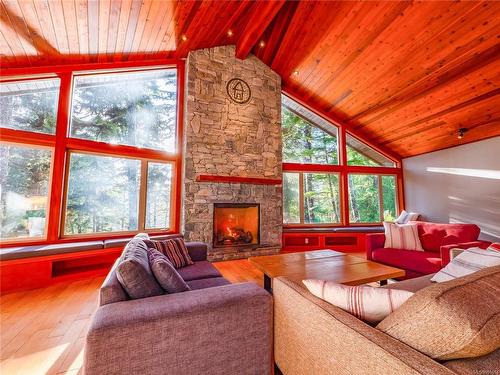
230, 32
262, 44
295, 73
461, 132
184, 37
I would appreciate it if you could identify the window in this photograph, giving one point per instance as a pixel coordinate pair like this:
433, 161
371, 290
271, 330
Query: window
135, 109
114, 170
24, 190
30, 105
320, 203
291, 198
364, 203
360, 154
372, 198
159, 195
319, 188
102, 194
307, 138
321, 198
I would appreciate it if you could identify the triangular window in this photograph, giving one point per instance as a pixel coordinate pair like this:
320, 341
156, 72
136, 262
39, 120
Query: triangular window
360, 154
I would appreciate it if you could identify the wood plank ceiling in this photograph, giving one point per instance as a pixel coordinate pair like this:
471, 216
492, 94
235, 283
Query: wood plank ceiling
404, 75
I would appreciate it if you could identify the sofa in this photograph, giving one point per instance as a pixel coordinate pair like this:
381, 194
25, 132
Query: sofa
436, 239
312, 336
215, 328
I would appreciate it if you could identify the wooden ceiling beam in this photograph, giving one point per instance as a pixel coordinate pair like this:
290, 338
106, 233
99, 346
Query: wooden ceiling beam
257, 24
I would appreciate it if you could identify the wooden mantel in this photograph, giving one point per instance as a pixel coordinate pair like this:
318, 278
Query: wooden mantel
238, 180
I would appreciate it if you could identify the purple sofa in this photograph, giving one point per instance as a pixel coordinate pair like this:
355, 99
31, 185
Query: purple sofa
215, 328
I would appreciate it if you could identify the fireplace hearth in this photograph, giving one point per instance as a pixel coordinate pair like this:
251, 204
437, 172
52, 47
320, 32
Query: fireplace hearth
236, 224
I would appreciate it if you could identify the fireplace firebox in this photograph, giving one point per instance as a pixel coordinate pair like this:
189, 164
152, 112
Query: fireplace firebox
236, 224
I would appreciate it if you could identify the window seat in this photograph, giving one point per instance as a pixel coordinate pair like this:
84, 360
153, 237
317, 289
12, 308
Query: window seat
367, 229
30, 251
22, 252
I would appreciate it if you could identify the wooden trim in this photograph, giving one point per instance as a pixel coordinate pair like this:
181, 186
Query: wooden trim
239, 180
27, 137
96, 67
143, 188
178, 176
57, 185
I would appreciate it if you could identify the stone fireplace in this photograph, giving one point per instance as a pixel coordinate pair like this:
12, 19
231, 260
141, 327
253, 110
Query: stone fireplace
236, 224
232, 154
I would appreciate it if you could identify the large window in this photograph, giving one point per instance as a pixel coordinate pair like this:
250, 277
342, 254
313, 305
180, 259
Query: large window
135, 109
110, 170
319, 188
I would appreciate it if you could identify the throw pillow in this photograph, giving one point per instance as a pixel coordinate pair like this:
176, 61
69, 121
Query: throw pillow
402, 236
406, 217
133, 271
174, 249
165, 273
467, 262
365, 302
495, 246
452, 320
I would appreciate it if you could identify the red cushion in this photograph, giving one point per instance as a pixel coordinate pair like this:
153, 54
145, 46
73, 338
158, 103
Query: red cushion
433, 235
495, 246
424, 262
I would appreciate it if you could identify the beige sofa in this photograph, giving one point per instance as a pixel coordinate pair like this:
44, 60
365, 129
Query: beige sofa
313, 337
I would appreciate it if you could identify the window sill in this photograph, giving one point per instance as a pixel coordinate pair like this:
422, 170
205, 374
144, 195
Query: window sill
356, 229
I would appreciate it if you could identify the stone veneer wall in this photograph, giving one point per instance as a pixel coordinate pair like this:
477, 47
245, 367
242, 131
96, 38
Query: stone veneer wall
228, 139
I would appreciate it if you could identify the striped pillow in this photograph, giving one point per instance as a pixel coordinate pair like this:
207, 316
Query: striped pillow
364, 302
174, 249
402, 236
469, 261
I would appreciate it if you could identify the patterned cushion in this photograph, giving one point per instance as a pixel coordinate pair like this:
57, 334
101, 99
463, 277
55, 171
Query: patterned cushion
456, 319
494, 246
174, 249
165, 273
402, 236
365, 302
467, 262
134, 274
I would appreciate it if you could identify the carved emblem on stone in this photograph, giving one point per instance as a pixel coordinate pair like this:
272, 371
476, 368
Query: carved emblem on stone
238, 90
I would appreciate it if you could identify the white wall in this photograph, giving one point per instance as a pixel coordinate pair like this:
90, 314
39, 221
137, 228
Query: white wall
457, 185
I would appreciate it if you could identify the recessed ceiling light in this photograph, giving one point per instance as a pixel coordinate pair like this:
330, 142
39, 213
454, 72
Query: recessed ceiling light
184, 37
262, 44
230, 32
295, 73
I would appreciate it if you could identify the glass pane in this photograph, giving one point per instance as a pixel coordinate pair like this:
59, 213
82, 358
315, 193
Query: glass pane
291, 200
24, 185
158, 195
321, 198
30, 105
364, 204
103, 194
359, 153
135, 109
389, 197
304, 137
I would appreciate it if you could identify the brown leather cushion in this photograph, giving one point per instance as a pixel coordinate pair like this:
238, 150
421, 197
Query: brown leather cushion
450, 320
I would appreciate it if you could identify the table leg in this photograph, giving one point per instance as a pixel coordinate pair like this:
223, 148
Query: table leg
383, 282
267, 284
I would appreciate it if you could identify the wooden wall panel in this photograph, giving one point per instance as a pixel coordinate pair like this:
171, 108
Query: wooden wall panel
405, 75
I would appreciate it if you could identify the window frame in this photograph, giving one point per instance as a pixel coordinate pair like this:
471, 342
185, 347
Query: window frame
62, 144
343, 169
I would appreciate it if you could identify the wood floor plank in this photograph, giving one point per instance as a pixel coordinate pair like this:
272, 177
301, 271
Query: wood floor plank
43, 331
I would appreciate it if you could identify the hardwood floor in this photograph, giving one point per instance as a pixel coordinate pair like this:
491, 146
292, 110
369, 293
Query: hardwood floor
43, 330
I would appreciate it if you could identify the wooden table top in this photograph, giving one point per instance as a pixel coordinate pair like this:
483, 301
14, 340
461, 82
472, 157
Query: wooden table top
325, 265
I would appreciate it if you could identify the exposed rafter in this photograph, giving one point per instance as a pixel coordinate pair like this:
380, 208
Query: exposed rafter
256, 26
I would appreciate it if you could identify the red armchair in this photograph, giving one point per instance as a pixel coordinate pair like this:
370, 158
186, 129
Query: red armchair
436, 239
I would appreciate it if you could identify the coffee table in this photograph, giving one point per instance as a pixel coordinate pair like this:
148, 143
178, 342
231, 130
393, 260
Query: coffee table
324, 265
